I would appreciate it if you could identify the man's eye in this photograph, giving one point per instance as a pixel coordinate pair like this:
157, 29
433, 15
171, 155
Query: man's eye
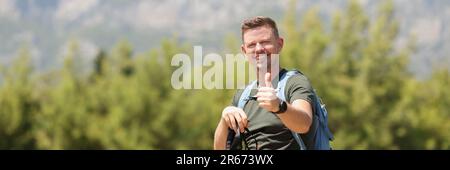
265, 43
251, 46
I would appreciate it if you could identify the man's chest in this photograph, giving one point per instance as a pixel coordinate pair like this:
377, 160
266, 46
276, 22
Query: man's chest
261, 119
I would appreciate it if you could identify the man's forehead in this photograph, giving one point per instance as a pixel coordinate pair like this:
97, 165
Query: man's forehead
263, 32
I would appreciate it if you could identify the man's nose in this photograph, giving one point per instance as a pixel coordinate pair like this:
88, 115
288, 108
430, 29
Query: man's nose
259, 48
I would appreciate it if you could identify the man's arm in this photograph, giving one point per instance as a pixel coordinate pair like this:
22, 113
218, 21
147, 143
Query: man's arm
298, 116
232, 117
220, 136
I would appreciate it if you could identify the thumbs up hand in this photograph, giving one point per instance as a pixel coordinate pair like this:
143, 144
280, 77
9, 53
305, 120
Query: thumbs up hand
267, 96
267, 80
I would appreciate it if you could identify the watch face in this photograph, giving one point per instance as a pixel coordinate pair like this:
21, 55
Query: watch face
282, 107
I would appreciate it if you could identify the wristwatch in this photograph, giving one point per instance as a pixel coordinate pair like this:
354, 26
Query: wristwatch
282, 107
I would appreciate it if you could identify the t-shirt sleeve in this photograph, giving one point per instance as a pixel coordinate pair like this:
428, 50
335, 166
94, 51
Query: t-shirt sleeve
299, 87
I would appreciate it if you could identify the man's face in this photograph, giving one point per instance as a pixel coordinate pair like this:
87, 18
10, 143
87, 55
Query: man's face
259, 42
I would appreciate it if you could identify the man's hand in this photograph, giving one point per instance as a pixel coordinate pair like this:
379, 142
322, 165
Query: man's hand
231, 118
231, 115
267, 96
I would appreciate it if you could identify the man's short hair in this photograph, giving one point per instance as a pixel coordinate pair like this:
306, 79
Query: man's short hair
259, 21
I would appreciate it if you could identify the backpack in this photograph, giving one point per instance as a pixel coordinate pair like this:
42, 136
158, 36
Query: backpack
322, 134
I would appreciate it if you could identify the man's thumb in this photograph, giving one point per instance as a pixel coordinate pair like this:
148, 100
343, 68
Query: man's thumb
268, 80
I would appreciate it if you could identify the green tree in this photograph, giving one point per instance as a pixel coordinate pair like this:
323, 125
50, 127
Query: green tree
17, 103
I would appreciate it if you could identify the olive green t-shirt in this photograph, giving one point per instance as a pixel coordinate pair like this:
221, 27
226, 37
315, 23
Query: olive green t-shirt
266, 129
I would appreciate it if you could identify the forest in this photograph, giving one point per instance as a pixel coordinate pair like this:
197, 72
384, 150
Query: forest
126, 101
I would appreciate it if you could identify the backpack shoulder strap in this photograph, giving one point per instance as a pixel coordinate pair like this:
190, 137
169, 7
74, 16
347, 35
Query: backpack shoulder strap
231, 142
282, 83
281, 87
245, 95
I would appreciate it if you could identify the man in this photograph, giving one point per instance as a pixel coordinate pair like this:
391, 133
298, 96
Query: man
265, 118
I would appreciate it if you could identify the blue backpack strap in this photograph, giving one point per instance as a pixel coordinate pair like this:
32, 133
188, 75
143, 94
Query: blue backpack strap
243, 99
299, 140
281, 94
245, 95
282, 83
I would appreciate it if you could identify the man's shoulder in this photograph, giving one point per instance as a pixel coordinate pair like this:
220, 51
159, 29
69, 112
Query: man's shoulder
299, 87
299, 80
237, 95
238, 92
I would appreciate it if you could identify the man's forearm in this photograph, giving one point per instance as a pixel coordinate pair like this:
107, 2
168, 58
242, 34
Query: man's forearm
296, 119
220, 136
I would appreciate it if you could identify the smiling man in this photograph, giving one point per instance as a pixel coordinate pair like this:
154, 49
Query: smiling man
267, 121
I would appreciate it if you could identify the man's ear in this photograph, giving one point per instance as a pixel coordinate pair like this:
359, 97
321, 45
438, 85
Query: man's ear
243, 49
280, 43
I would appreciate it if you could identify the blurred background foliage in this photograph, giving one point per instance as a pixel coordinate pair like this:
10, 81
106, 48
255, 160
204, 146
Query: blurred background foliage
127, 101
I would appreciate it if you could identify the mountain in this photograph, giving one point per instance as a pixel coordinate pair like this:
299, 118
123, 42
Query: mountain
46, 26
